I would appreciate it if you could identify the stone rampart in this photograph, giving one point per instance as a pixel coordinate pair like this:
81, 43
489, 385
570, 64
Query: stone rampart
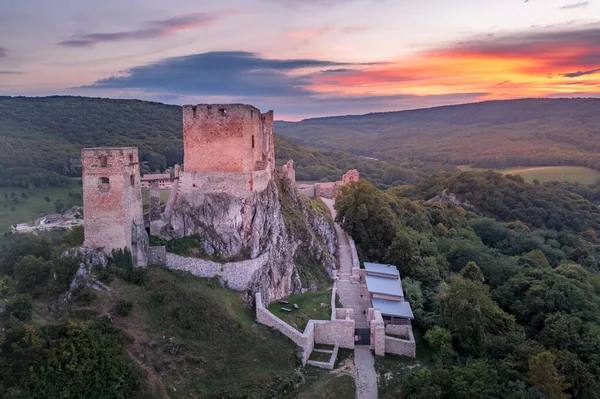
238, 276
238, 185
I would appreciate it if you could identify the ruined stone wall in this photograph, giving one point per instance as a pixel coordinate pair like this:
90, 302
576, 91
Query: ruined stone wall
112, 200
326, 190
240, 276
195, 186
305, 340
226, 138
351, 175
289, 171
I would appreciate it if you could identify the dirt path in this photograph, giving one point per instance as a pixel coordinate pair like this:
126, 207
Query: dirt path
355, 296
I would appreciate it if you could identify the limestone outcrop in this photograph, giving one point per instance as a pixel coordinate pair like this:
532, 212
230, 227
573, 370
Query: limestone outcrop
250, 232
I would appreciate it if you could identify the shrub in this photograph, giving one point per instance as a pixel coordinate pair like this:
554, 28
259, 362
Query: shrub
20, 307
124, 307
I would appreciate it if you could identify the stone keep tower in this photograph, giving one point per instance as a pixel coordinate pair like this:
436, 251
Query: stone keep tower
227, 138
112, 200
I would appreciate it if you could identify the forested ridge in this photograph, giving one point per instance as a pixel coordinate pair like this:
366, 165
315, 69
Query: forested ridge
41, 139
492, 134
508, 300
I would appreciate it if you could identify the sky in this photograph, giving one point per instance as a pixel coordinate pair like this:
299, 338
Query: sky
302, 58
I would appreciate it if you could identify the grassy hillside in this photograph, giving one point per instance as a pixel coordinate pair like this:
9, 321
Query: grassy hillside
496, 134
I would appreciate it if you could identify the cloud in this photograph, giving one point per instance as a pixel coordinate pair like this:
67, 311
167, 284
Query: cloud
4, 72
307, 35
354, 29
575, 5
231, 73
3, 52
581, 73
151, 30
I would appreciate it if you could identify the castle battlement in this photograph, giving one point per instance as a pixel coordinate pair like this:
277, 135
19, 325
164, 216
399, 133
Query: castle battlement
227, 138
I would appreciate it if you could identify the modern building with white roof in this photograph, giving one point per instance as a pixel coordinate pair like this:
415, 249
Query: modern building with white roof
385, 287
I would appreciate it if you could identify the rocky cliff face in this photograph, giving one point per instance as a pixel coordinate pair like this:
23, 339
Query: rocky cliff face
254, 236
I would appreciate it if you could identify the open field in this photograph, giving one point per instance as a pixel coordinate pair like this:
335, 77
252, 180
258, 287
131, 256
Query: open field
23, 210
549, 173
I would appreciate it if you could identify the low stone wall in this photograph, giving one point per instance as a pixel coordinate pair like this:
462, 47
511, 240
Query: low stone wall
329, 365
304, 340
335, 332
157, 255
326, 190
398, 330
404, 347
238, 276
344, 313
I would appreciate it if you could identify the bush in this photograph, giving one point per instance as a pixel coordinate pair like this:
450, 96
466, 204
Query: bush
20, 307
124, 307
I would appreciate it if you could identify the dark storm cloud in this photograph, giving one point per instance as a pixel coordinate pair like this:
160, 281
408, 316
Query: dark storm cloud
3, 52
151, 30
229, 73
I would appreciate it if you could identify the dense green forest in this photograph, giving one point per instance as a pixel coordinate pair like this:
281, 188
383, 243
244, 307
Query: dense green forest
493, 134
42, 137
508, 297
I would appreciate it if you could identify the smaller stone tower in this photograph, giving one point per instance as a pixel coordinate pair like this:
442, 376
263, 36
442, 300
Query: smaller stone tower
112, 201
351, 175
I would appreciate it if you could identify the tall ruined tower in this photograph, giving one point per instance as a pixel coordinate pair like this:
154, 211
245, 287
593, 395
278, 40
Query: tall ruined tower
112, 200
227, 138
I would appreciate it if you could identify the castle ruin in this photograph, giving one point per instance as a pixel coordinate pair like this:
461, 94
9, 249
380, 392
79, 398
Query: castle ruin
112, 200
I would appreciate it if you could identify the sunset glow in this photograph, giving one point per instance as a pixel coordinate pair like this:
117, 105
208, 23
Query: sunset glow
318, 57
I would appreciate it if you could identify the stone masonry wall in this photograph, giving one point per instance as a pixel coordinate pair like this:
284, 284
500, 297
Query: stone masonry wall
404, 347
226, 138
335, 332
238, 276
351, 175
112, 200
376, 324
304, 340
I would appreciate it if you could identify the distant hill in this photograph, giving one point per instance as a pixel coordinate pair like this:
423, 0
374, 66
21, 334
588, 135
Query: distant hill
41, 138
493, 134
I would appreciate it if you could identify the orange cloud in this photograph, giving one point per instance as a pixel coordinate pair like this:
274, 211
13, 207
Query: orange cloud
536, 63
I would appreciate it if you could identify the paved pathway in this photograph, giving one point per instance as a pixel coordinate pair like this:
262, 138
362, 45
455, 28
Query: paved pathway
355, 296
366, 378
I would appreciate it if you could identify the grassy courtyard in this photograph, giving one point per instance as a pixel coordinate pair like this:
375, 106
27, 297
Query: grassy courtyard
311, 305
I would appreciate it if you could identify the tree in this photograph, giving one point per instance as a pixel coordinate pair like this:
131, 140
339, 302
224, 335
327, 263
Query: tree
472, 272
544, 376
366, 214
471, 315
31, 274
438, 338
